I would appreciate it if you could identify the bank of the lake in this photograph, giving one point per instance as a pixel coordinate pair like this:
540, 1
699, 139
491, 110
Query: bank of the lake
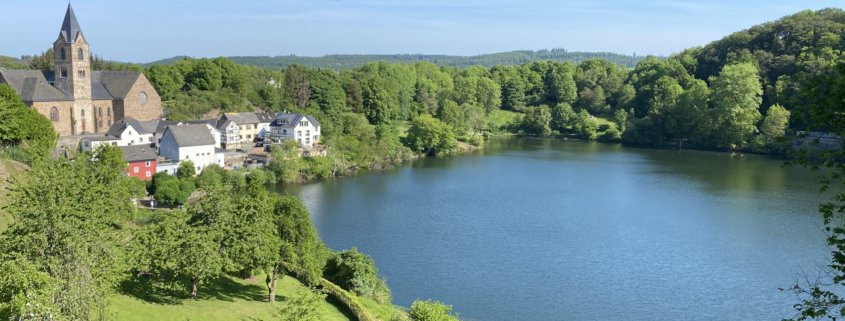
542, 229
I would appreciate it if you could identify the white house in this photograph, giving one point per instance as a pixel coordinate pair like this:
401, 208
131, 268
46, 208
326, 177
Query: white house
124, 132
190, 142
230, 133
161, 125
304, 129
264, 121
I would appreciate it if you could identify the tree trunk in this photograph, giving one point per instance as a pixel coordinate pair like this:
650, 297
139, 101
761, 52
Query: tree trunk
271, 283
194, 282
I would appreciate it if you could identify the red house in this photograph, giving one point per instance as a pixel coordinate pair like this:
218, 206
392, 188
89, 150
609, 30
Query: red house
141, 161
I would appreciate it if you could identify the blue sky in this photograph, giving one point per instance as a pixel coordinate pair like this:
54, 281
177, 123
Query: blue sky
146, 30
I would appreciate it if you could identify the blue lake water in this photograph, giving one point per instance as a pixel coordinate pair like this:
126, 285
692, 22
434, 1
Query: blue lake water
532, 229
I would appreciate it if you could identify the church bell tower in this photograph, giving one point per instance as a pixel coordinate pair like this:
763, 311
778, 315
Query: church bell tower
72, 70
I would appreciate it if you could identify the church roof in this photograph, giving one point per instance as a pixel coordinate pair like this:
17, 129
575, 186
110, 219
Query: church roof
35, 85
32, 85
117, 83
70, 27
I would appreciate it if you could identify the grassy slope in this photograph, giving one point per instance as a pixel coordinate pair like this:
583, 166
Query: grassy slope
228, 299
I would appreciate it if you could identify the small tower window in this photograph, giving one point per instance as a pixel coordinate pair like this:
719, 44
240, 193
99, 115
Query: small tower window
54, 114
63, 73
79, 54
63, 54
81, 73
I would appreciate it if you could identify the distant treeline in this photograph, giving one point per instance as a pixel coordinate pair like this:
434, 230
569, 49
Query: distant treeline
346, 62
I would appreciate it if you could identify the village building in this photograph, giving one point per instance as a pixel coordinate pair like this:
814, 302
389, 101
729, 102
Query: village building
161, 125
190, 142
304, 129
141, 161
125, 132
239, 130
76, 99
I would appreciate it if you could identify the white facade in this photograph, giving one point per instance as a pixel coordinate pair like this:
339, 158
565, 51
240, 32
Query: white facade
128, 137
201, 155
298, 128
230, 135
168, 166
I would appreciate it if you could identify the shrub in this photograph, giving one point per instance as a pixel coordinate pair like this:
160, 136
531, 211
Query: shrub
356, 272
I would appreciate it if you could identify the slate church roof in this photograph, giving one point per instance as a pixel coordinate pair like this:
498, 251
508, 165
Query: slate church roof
36, 85
33, 85
70, 27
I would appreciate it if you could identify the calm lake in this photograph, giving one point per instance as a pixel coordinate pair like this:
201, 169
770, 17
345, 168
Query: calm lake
532, 229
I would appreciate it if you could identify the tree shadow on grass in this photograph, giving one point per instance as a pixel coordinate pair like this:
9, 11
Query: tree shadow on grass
341, 307
176, 291
227, 289
153, 291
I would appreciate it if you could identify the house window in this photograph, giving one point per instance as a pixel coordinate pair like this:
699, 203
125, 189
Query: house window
147, 164
79, 55
148, 174
54, 114
284, 131
63, 73
64, 54
135, 170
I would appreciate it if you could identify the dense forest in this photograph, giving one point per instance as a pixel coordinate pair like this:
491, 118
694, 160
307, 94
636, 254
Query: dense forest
346, 62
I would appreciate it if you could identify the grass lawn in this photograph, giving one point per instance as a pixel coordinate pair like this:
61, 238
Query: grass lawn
384, 312
499, 117
225, 299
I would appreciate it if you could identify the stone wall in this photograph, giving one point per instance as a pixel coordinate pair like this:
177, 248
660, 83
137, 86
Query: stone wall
103, 122
64, 124
133, 107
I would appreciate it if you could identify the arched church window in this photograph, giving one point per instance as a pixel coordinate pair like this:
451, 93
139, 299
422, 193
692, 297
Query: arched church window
54, 114
64, 55
79, 54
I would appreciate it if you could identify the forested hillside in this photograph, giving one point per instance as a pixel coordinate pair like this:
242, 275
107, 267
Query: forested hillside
345, 62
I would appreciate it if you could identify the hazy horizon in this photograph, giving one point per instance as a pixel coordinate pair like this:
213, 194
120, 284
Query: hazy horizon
145, 31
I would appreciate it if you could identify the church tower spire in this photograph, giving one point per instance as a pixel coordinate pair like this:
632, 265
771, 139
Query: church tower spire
72, 68
70, 27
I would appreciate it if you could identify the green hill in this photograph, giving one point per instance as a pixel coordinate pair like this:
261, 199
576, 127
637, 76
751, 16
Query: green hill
488, 60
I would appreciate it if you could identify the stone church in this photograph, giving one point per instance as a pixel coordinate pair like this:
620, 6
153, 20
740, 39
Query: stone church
79, 100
